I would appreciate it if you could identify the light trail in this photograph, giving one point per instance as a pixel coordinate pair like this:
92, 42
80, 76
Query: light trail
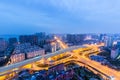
104, 69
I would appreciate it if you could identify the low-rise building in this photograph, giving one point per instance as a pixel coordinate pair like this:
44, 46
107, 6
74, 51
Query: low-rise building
17, 57
25, 51
34, 51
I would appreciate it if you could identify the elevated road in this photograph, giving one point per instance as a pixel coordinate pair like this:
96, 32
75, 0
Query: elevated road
5, 69
96, 65
104, 69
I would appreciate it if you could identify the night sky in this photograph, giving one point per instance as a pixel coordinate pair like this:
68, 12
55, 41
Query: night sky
59, 16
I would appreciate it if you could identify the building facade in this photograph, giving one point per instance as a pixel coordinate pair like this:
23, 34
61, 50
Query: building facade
13, 41
17, 57
26, 51
33, 39
109, 42
75, 38
114, 53
3, 44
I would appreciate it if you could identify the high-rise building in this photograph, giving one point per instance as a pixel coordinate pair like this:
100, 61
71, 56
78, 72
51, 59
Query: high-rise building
12, 41
102, 37
114, 53
51, 46
33, 39
3, 44
70, 38
118, 44
41, 38
108, 42
41, 35
54, 46
75, 38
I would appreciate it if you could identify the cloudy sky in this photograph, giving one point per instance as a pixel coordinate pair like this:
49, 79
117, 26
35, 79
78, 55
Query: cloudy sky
59, 16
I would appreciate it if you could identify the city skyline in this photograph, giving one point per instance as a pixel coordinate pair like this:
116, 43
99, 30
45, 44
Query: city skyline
59, 16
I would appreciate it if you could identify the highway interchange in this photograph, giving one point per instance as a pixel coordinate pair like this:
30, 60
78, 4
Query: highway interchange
96, 65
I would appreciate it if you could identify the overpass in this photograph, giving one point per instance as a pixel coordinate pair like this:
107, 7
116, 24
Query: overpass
101, 68
96, 65
5, 69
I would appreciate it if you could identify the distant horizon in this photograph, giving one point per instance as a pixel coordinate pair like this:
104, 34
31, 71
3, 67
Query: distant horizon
51, 33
